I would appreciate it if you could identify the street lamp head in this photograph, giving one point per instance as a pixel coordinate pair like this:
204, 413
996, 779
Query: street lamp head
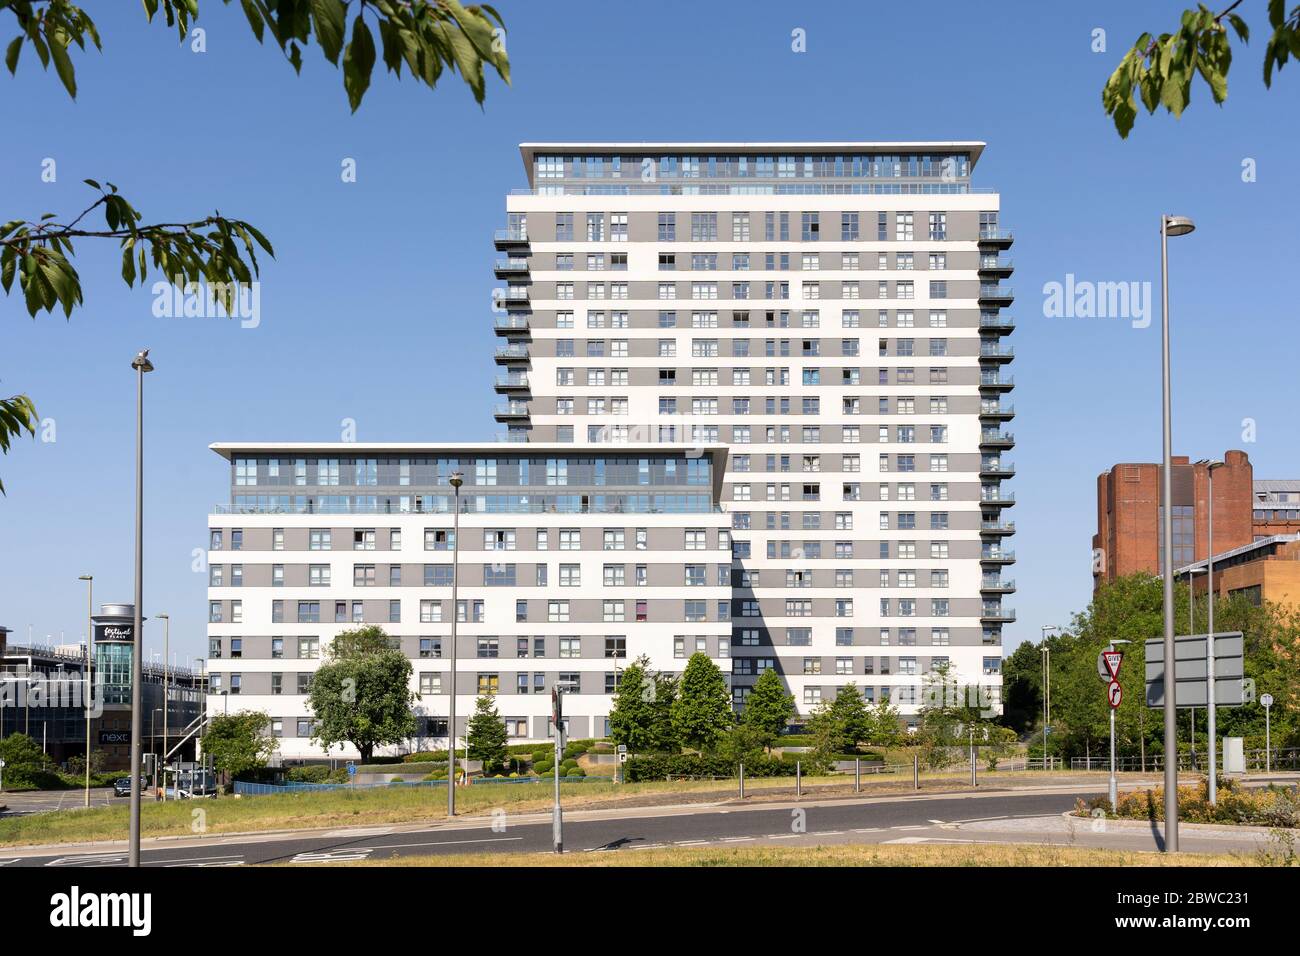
163, 617
1211, 463
457, 479
141, 362
85, 577
1178, 225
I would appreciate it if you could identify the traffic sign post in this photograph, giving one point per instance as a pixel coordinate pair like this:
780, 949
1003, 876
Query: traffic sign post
1110, 661
1266, 700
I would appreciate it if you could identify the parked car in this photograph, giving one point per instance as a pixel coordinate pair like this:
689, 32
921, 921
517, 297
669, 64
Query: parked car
122, 786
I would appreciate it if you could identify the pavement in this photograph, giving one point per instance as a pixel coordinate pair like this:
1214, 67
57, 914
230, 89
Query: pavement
1024, 814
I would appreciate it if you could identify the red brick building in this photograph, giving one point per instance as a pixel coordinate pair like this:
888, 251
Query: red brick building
1128, 535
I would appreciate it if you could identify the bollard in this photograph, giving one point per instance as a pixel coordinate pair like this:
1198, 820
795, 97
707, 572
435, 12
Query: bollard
857, 774
742, 781
973, 781
916, 771
798, 779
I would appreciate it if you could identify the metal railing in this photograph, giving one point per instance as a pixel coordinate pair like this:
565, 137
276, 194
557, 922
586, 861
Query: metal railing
996, 292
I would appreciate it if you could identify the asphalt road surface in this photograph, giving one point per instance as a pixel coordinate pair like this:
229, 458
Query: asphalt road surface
991, 817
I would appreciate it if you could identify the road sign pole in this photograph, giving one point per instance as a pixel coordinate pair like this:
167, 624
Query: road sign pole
1265, 700
1114, 787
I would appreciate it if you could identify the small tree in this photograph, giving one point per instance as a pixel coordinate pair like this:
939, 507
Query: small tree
885, 727
631, 719
239, 742
743, 743
357, 641
487, 736
362, 696
702, 713
854, 718
641, 717
768, 708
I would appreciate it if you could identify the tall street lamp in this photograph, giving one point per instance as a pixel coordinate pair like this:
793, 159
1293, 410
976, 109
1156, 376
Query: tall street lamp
1169, 226
141, 364
85, 682
167, 629
1210, 703
456, 480
1047, 687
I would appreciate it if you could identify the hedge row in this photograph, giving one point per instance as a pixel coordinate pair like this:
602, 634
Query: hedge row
661, 766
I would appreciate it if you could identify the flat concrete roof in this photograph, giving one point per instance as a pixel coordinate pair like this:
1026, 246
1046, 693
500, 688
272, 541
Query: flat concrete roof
974, 147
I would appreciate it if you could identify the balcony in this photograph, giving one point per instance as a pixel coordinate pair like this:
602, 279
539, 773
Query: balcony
997, 556
997, 526
510, 239
510, 324
998, 382
998, 410
996, 295
510, 268
516, 382
997, 614
513, 435
995, 438
995, 266
1001, 238
511, 353
510, 411
997, 469
998, 584
991, 352
512, 297
994, 495
1003, 324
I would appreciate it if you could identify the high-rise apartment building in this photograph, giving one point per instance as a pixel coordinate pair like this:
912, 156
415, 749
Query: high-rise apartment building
831, 312
572, 561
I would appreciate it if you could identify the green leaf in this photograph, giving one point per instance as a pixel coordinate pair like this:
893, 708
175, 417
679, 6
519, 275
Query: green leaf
11, 54
330, 20
63, 66
358, 62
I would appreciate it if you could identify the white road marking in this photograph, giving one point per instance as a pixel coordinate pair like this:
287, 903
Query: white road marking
96, 859
737, 839
915, 827
334, 856
828, 833
360, 832
784, 836
400, 846
193, 859
909, 840
869, 830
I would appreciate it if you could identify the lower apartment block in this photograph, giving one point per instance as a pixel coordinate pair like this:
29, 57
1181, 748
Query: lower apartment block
572, 561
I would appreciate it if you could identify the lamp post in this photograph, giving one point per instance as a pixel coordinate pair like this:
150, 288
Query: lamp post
456, 480
1211, 703
1047, 687
141, 364
1169, 226
167, 628
85, 683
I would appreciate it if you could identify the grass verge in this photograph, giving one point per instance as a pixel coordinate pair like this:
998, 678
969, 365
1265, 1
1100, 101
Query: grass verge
840, 855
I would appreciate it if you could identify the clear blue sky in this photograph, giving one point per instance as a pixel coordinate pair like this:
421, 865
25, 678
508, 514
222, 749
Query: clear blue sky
377, 307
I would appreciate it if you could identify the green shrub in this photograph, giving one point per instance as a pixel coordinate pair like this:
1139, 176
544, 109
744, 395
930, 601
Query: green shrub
424, 756
542, 756
576, 772
660, 766
31, 778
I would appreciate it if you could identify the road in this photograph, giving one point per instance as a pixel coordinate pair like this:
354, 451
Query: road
43, 801
998, 816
